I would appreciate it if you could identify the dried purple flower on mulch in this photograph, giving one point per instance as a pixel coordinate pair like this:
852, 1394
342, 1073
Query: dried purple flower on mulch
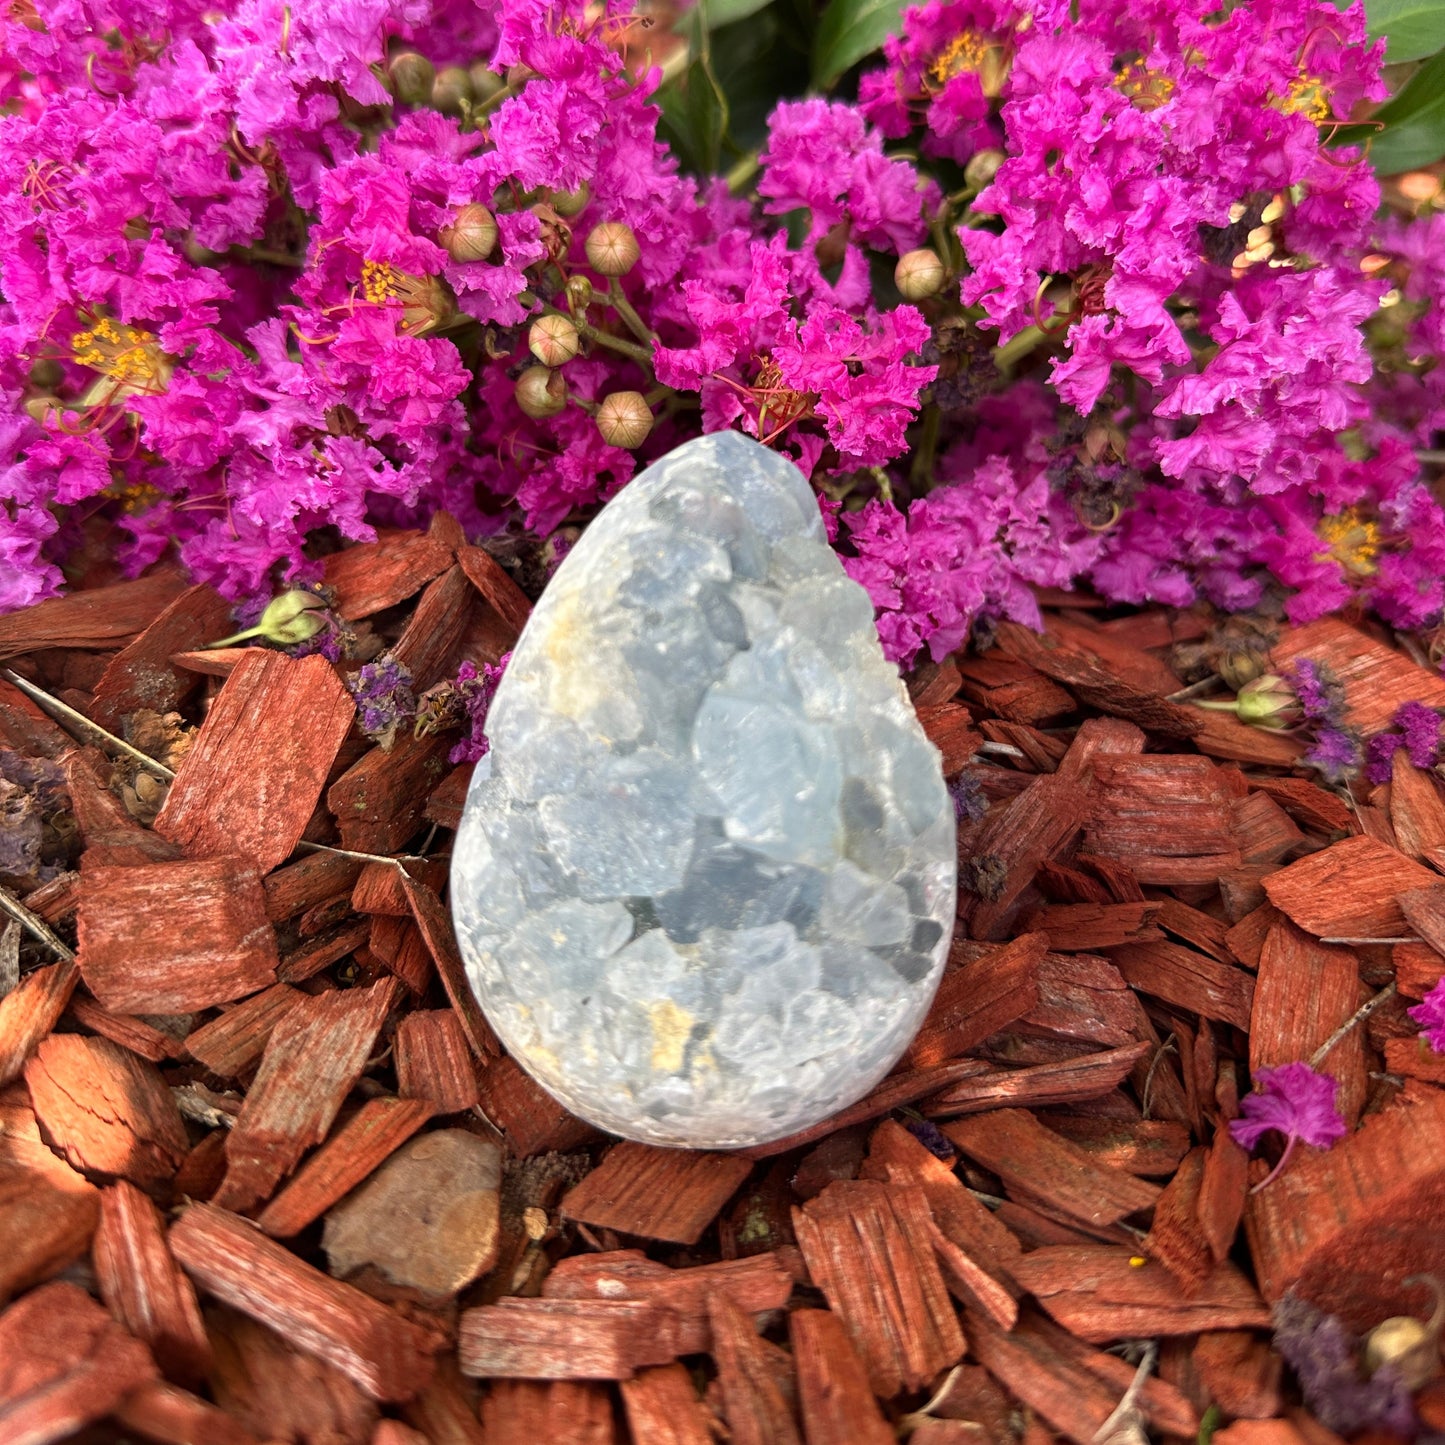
1416, 729
1323, 1354
384, 699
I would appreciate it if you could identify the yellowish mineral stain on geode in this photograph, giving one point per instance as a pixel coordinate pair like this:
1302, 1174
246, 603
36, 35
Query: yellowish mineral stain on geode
671, 1029
576, 684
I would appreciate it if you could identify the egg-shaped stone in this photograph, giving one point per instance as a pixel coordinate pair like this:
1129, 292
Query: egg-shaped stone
705, 879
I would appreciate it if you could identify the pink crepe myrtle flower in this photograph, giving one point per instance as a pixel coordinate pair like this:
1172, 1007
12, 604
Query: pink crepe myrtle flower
1293, 1100
1429, 1013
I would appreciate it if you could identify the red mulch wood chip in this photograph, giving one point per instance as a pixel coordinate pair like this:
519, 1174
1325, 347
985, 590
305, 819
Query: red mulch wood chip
108, 1112
552, 1339
833, 1396
441, 941
142, 1285
532, 1120
376, 575
434, 1062
671, 1194
1348, 890
48, 1212
378, 802
143, 674
1141, 929
385, 1354
63, 1363
867, 1247
663, 1408
1306, 990
1344, 1227
979, 999
174, 937
252, 777
98, 618
361, 1145
176, 1417
278, 1392
1034, 1161
1376, 678
522, 1412
754, 1406
28, 1013
235, 1040
1189, 980
495, 584
313, 1057
1099, 1294
756, 1284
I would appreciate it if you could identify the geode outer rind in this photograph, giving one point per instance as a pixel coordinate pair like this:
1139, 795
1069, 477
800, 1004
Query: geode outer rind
705, 880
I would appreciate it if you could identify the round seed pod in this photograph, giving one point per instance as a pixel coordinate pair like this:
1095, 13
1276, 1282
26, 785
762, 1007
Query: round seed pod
553, 340
918, 274
982, 168
541, 393
471, 235
451, 92
485, 83
612, 249
572, 203
412, 77
624, 419
579, 293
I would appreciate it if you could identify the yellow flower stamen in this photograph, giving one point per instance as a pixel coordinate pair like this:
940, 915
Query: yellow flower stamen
1351, 540
1147, 89
1307, 96
424, 300
126, 356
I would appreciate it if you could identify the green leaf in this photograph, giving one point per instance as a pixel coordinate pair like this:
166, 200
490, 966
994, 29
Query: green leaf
1414, 124
1414, 28
695, 115
849, 30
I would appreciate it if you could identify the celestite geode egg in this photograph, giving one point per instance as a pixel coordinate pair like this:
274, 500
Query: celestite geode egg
705, 879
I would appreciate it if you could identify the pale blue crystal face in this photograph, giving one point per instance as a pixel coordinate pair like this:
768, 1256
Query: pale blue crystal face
705, 879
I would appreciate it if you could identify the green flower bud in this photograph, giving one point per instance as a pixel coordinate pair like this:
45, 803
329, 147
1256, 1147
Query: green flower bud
553, 340
451, 92
485, 83
612, 249
288, 619
982, 168
541, 393
918, 274
572, 203
412, 76
471, 234
579, 293
1267, 702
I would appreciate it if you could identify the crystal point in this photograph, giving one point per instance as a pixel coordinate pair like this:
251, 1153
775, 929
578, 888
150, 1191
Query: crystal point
705, 881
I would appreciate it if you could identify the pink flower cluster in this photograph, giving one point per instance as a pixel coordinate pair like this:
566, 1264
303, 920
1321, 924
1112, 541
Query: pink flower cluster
256, 284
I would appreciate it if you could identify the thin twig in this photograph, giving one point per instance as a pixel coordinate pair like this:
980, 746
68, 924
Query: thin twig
1169, 1045
34, 925
1406, 938
1359, 1016
1205, 684
1126, 1407
81, 726
399, 859
1003, 750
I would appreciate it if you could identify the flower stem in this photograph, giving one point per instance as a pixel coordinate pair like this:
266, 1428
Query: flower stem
640, 354
1005, 357
623, 307
742, 172
1278, 1169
